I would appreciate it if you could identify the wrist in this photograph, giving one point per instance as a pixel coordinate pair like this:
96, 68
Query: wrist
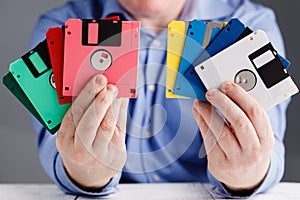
87, 179
248, 189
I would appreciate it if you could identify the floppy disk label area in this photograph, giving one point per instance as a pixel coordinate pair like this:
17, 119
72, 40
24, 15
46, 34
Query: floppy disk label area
257, 69
108, 47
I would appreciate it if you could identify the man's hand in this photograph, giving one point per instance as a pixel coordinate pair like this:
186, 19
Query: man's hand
91, 138
239, 150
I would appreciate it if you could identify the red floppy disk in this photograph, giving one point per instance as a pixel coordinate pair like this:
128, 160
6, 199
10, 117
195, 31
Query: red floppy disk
55, 40
109, 47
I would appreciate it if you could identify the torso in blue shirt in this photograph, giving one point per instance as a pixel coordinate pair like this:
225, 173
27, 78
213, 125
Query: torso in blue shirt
163, 140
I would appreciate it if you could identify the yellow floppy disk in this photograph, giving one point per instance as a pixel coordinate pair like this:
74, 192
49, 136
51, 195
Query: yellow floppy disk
176, 38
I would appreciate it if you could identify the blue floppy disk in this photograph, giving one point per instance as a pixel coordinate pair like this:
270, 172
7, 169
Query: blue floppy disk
199, 35
225, 37
234, 31
231, 33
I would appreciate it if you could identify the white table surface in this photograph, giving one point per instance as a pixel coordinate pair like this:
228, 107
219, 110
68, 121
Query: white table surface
169, 191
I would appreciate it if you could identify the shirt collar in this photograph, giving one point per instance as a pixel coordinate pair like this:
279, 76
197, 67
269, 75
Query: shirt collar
194, 9
209, 9
112, 7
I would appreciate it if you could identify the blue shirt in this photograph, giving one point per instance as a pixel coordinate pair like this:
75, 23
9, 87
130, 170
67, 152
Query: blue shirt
163, 141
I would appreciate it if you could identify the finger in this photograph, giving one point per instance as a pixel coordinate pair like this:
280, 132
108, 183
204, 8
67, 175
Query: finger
242, 126
77, 109
251, 107
89, 123
65, 134
211, 144
122, 119
87, 96
107, 127
223, 134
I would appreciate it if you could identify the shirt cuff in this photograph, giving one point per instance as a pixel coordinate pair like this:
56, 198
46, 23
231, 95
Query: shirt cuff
272, 178
66, 184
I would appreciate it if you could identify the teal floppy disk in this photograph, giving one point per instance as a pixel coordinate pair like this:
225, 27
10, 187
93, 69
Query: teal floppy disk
33, 73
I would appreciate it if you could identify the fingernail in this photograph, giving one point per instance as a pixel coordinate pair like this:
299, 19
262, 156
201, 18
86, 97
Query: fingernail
226, 87
101, 80
211, 93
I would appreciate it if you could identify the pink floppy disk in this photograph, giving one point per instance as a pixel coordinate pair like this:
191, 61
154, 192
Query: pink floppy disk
108, 47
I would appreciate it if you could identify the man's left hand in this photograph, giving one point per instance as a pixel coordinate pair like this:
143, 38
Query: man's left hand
239, 148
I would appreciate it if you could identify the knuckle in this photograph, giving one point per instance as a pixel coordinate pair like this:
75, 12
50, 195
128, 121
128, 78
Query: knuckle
242, 124
76, 112
124, 104
91, 88
105, 98
205, 109
224, 132
107, 125
257, 111
68, 119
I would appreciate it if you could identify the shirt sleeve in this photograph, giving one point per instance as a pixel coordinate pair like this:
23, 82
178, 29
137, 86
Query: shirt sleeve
48, 154
258, 17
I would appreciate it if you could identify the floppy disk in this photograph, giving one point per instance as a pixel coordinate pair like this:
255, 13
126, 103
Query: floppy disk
34, 76
253, 64
234, 31
176, 38
109, 47
55, 40
223, 38
12, 85
199, 35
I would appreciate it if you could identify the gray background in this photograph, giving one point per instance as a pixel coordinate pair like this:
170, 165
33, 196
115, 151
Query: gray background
18, 154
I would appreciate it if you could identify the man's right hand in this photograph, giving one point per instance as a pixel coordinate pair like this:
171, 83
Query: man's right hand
91, 138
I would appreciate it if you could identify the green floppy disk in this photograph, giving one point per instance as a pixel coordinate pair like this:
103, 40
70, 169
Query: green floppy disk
33, 74
16, 90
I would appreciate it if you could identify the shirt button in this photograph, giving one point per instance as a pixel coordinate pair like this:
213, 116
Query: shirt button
151, 88
148, 134
156, 178
156, 43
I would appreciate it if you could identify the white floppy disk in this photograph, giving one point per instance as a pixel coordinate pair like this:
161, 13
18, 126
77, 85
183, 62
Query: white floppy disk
253, 64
